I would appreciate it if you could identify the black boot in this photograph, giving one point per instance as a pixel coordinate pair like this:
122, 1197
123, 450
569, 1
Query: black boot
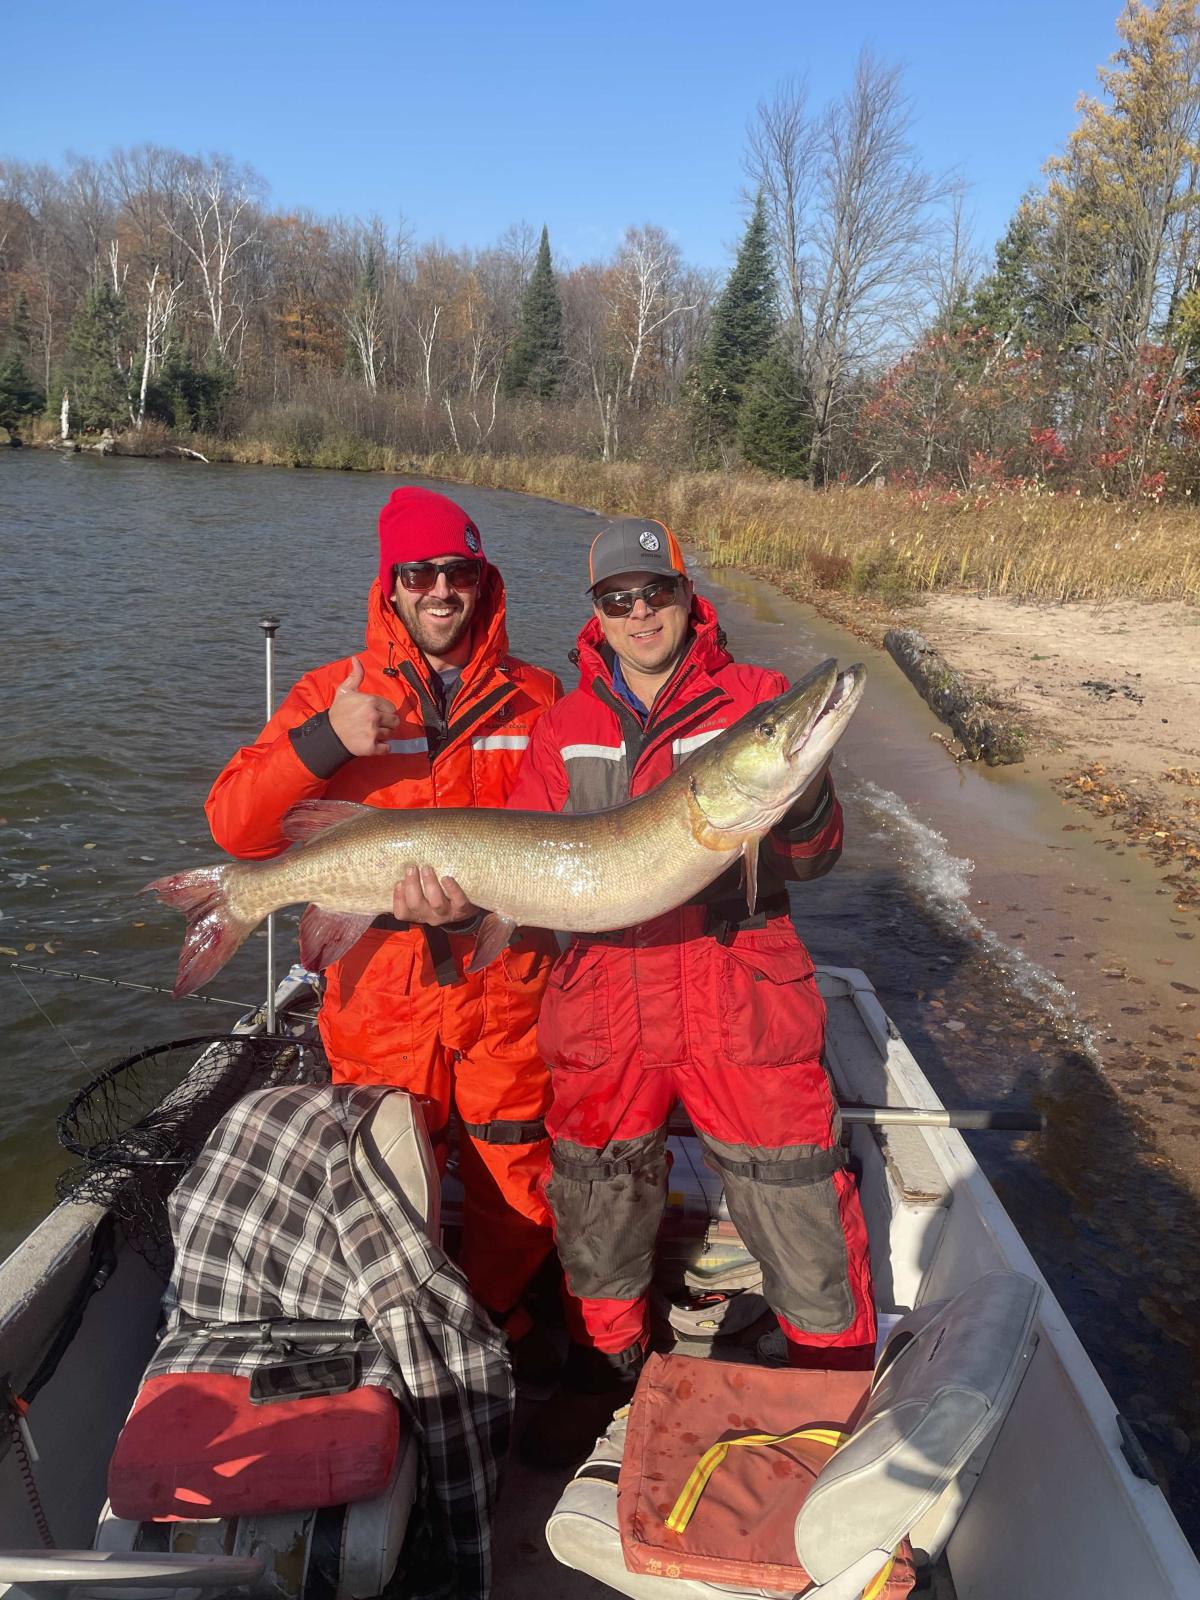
594, 1385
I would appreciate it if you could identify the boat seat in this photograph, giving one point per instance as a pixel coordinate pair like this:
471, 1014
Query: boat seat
196, 1449
943, 1385
392, 1143
352, 1550
196, 1445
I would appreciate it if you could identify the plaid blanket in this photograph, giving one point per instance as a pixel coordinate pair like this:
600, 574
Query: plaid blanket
274, 1220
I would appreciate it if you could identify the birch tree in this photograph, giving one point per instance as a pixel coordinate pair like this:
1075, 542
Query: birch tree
219, 225
162, 297
646, 294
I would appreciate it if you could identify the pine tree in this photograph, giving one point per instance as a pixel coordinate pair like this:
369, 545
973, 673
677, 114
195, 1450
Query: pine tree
188, 396
775, 422
19, 396
99, 388
534, 365
744, 326
20, 333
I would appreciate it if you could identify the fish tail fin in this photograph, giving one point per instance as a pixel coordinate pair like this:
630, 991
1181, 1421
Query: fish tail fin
213, 932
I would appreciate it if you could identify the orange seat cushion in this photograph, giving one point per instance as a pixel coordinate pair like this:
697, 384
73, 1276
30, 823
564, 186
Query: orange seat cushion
195, 1446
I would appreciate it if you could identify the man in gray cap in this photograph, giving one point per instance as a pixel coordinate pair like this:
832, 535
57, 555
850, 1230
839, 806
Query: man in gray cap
705, 1005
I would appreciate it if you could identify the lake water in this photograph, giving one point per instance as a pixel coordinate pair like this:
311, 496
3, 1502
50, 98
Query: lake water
131, 659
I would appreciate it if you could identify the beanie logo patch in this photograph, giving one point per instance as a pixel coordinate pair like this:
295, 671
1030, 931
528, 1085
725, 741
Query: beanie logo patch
649, 541
472, 539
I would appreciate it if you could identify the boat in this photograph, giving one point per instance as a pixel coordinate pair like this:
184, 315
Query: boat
1062, 1505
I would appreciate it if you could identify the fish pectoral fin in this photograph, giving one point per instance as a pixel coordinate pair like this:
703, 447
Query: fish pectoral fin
308, 818
325, 936
494, 933
750, 872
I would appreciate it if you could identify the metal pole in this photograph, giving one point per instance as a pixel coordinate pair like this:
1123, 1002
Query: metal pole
918, 1117
270, 626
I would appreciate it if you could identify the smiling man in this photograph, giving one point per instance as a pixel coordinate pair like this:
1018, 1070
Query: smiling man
433, 711
709, 1006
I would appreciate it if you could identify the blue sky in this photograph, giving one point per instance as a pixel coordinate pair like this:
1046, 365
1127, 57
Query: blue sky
466, 117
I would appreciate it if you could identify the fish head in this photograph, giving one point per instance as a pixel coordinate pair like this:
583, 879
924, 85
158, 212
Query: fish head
744, 781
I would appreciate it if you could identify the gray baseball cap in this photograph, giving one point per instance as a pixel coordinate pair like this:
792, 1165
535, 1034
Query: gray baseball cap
634, 544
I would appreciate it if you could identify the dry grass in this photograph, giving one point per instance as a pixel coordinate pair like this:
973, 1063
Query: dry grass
1027, 545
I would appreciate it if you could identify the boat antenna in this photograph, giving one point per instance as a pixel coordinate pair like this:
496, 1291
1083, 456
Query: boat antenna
270, 627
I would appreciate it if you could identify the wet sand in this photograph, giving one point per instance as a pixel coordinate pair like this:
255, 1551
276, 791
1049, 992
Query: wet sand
1063, 885
1112, 698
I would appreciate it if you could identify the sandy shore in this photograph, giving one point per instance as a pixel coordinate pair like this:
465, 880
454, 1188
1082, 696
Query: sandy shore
1112, 700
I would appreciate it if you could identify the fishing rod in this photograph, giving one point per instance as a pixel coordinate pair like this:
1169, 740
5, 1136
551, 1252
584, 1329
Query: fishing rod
270, 626
123, 983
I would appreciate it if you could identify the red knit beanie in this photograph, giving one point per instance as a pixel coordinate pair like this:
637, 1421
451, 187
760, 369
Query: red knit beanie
417, 524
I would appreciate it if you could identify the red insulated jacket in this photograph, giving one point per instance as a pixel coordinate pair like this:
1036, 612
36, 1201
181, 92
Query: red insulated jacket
645, 995
467, 756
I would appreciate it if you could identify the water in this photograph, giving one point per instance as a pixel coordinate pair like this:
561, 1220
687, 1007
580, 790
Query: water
132, 664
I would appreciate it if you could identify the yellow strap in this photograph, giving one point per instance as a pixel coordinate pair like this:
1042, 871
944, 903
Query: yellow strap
689, 1496
879, 1582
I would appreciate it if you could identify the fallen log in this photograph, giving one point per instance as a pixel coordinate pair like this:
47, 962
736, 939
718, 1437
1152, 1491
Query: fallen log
985, 734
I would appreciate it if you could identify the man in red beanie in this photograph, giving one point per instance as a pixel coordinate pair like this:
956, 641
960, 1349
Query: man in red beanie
433, 711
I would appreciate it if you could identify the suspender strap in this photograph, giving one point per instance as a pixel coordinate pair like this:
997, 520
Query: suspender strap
445, 968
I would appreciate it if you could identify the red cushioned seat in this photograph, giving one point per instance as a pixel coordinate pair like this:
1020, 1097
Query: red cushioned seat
743, 1531
194, 1446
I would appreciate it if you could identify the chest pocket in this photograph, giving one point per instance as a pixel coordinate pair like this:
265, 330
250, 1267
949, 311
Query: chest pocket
598, 777
496, 755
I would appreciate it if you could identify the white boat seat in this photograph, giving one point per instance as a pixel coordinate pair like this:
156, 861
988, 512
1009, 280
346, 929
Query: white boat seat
393, 1143
944, 1384
360, 1544
939, 1392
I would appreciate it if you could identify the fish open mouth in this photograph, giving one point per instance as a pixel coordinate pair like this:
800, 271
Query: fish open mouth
843, 696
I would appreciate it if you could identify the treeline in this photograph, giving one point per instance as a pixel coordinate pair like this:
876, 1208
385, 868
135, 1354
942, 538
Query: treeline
856, 339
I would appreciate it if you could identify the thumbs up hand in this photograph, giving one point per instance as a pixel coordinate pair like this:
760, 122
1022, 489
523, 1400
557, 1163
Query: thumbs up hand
363, 722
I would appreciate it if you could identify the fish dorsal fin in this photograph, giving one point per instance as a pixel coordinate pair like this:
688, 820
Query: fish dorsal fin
494, 933
750, 872
325, 936
310, 817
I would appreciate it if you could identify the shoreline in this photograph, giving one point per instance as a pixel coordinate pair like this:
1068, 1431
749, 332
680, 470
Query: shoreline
1069, 678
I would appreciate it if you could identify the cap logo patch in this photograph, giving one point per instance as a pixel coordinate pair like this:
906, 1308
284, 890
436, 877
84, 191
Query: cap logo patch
648, 541
472, 539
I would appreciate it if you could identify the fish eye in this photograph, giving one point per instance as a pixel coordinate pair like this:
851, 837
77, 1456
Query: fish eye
767, 730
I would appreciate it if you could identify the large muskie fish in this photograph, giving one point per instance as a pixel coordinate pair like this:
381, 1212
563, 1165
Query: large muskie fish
589, 872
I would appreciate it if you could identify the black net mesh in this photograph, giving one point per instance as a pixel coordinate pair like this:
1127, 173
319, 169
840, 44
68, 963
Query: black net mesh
141, 1122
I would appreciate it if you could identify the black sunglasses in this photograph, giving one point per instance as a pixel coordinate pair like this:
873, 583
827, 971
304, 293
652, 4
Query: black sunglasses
660, 594
421, 576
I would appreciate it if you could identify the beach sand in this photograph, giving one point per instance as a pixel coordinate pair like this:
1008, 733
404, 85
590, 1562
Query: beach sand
1111, 697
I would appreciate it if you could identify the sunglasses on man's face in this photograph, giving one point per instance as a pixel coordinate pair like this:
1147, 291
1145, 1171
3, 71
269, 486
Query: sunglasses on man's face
421, 576
660, 594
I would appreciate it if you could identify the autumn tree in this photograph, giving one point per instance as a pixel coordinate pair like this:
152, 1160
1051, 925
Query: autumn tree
852, 216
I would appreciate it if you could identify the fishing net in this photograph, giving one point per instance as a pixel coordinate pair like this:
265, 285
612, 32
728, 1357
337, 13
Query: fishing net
140, 1123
